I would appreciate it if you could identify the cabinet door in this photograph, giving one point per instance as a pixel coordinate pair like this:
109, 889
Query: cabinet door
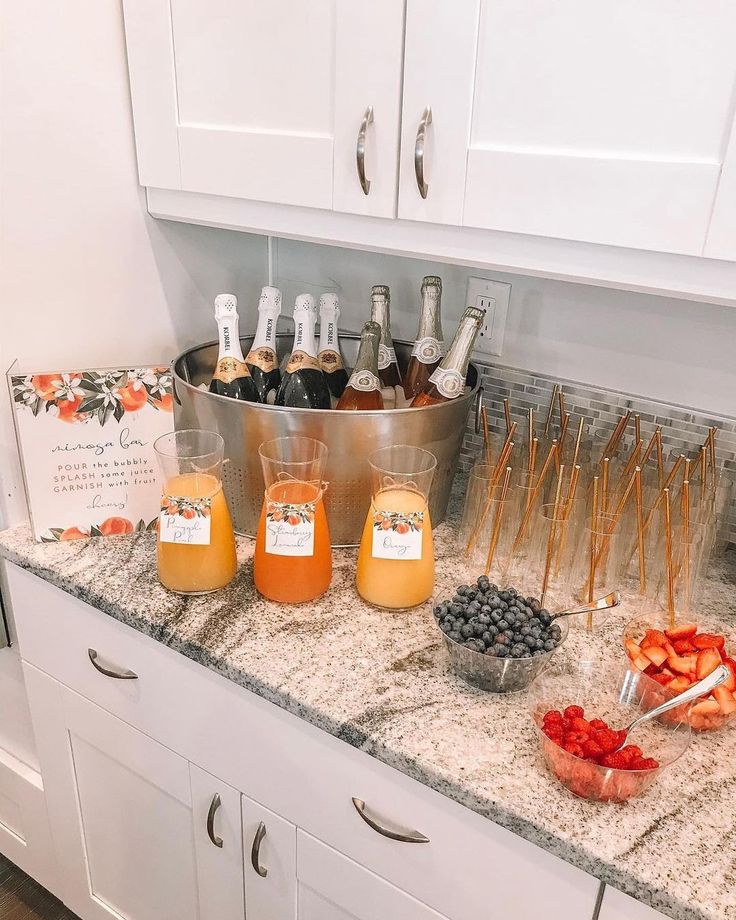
333, 887
264, 99
121, 812
618, 906
269, 846
579, 119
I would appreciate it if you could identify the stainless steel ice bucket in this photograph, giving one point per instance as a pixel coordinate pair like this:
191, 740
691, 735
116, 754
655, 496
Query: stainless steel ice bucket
349, 436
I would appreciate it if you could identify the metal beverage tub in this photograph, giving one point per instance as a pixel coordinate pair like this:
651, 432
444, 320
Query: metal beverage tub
350, 438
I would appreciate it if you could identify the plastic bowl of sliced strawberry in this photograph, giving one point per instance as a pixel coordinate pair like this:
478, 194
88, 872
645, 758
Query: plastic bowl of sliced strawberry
579, 715
675, 658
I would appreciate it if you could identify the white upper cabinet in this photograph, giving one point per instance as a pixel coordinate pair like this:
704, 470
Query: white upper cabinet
266, 99
578, 119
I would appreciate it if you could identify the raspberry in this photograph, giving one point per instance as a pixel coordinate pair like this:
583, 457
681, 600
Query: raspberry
552, 716
580, 725
609, 739
598, 723
615, 761
553, 731
577, 737
574, 712
572, 748
592, 750
647, 763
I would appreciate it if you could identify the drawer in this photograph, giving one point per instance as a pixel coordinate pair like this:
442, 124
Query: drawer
301, 773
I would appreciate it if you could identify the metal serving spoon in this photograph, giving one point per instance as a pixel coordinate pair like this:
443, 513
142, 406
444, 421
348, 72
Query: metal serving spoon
603, 603
702, 688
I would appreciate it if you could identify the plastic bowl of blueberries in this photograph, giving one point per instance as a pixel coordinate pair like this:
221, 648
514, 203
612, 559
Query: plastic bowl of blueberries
497, 639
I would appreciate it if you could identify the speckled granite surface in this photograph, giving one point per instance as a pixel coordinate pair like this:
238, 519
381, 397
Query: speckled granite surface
380, 682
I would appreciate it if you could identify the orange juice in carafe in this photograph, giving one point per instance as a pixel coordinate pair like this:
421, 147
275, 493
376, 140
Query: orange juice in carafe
396, 556
196, 544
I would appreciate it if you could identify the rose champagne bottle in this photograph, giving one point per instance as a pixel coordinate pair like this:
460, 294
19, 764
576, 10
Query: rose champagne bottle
388, 368
330, 356
303, 385
231, 377
261, 360
429, 346
363, 390
448, 380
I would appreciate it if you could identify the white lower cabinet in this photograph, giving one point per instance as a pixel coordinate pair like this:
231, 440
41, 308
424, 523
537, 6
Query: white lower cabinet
332, 887
127, 819
269, 845
619, 906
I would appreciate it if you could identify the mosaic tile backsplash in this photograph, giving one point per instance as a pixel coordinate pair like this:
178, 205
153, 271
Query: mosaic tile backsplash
683, 431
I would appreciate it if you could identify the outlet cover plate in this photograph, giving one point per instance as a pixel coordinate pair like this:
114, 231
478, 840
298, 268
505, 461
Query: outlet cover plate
493, 297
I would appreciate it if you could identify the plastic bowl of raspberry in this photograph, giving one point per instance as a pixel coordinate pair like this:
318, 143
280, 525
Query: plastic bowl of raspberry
676, 657
578, 711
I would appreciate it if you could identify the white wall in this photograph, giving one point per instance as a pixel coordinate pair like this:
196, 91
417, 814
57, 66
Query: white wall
673, 350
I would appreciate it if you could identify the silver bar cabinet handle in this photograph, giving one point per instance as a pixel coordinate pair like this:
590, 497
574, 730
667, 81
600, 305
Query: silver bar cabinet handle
214, 805
419, 151
255, 850
365, 184
404, 835
118, 675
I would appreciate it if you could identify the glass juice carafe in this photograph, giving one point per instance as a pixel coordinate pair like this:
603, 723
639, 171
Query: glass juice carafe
196, 544
396, 556
293, 556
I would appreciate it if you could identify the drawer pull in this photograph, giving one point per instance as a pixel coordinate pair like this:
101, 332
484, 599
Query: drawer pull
402, 834
214, 805
365, 184
118, 675
255, 850
419, 152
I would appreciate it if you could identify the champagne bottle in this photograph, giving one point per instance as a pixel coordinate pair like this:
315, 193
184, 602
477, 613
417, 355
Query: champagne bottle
231, 377
363, 390
261, 360
429, 346
303, 385
330, 355
448, 380
388, 368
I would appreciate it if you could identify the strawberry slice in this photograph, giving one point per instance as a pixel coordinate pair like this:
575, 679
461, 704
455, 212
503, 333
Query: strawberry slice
708, 640
679, 684
633, 649
683, 646
683, 631
653, 637
662, 678
725, 700
708, 661
678, 664
730, 684
706, 708
641, 662
656, 654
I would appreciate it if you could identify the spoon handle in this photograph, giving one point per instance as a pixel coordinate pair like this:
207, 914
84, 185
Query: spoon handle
703, 687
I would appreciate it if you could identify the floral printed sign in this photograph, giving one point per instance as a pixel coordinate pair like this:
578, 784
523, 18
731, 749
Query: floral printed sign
290, 529
86, 441
397, 535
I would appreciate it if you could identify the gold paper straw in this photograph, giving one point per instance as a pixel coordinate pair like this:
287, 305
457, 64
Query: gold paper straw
497, 521
712, 452
650, 447
578, 439
610, 448
486, 436
637, 427
530, 464
552, 536
593, 548
533, 455
551, 410
492, 482
535, 492
604, 485
660, 459
686, 539
507, 414
561, 401
574, 476
668, 559
640, 533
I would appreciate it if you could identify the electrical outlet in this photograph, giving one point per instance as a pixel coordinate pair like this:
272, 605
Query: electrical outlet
493, 297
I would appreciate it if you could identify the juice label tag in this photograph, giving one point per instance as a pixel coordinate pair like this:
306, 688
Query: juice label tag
263, 357
428, 350
397, 535
450, 383
386, 356
300, 360
185, 520
365, 381
290, 529
330, 361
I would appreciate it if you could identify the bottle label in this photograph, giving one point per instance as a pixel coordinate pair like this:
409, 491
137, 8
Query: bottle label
450, 383
330, 361
386, 357
365, 381
397, 535
300, 360
290, 529
229, 369
185, 520
263, 357
428, 350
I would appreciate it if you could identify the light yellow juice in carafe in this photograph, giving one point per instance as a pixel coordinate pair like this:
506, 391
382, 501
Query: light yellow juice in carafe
395, 583
199, 568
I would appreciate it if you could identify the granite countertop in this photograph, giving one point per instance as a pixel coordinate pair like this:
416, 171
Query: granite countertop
379, 682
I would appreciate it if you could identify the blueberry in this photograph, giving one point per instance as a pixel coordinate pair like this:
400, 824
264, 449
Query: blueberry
478, 629
530, 641
502, 639
550, 645
544, 618
455, 636
495, 603
499, 651
503, 624
484, 618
